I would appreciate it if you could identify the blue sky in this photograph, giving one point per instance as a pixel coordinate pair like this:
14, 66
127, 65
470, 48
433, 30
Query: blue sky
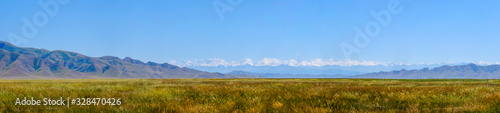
425, 31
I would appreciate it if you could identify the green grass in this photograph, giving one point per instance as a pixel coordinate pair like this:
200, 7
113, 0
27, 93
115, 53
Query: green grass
260, 95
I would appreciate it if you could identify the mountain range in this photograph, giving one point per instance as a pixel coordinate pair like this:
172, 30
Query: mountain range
31, 63
318, 70
470, 71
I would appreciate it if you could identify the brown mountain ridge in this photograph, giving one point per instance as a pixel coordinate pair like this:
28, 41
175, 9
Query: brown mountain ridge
31, 63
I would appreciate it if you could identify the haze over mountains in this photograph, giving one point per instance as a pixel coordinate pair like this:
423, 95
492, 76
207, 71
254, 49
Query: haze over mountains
287, 75
299, 66
30, 63
470, 71
331, 68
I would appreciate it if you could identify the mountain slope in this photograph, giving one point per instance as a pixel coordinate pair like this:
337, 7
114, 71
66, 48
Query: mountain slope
30, 63
470, 71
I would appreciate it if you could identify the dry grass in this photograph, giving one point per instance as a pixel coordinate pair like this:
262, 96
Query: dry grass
260, 95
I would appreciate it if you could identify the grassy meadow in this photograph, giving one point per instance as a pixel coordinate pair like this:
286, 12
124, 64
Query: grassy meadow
259, 95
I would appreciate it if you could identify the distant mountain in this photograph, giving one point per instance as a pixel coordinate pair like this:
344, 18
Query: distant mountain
30, 63
307, 70
278, 75
314, 70
315, 66
470, 71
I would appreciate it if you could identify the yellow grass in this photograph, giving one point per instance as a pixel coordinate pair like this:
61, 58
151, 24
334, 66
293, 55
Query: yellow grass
259, 95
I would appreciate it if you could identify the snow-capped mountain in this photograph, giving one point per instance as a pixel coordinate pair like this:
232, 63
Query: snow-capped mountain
298, 66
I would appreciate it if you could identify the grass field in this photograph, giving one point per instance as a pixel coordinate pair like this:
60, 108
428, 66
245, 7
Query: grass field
260, 95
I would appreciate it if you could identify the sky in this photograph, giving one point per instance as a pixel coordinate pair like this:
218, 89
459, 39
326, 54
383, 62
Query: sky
424, 31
